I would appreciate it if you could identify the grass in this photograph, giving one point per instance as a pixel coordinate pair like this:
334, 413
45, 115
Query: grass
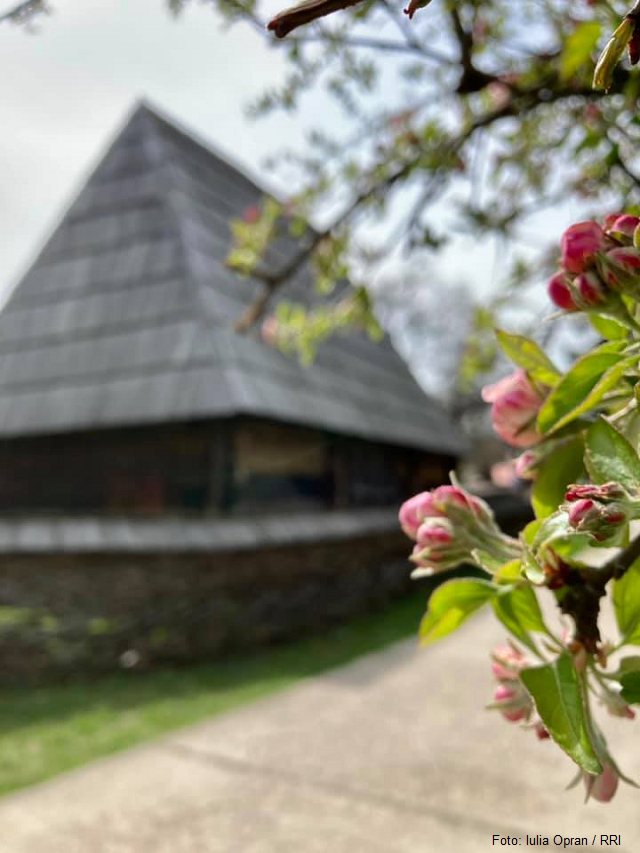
46, 730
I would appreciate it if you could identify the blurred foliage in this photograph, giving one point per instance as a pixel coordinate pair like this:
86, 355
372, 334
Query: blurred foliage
481, 108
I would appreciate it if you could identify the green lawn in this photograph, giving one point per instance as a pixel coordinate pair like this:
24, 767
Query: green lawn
46, 730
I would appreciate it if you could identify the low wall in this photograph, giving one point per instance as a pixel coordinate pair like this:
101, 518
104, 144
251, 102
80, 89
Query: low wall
64, 612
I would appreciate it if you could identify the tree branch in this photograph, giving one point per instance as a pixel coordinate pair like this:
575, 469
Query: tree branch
23, 12
296, 16
618, 565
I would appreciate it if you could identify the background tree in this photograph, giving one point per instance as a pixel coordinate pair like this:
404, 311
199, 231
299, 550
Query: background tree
471, 118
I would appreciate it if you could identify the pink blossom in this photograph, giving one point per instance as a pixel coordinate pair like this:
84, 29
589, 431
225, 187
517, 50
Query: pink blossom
618, 264
447, 497
414, 511
435, 533
590, 288
515, 405
602, 787
516, 702
560, 293
580, 244
580, 510
525, 465
623, 224
610, 219
605, 492
436, 545
503, 474
507, 663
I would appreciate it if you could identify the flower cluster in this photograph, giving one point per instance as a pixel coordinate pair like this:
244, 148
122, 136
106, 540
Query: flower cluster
515, 404
579, 425
447, 525
510, 696
600, 510
597, 263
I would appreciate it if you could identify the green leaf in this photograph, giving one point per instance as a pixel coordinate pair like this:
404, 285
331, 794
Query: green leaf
486, 561
578, 48
558, 470
451, 604
568, 399
557, 694
631, 688
606, 383
609, 456
519, 612
627, 665
527, 354
509, 572
609, 329
626, 604
530, 533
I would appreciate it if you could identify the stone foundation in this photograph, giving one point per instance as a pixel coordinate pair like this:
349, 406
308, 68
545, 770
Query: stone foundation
73, 612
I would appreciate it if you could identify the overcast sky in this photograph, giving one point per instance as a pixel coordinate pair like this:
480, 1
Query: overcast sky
66, 89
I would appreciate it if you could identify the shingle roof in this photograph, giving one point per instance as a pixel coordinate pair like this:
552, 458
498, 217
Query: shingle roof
126, 316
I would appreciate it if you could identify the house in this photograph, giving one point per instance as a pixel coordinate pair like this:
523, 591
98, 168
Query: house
134, 419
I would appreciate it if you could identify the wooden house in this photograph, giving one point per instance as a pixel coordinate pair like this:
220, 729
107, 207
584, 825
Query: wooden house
135, 419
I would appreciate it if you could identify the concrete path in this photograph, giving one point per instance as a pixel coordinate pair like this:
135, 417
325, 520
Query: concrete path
391, 753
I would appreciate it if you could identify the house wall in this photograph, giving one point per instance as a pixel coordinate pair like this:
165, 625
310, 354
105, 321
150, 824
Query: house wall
83, 612
238, 466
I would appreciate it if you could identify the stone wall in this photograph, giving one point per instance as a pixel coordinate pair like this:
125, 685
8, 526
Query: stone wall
73, 612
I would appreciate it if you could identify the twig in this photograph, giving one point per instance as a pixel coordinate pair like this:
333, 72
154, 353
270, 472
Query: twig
21, 13
618, 565
289, 19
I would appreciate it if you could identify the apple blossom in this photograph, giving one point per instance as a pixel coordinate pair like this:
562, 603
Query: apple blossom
580, 244
515, 405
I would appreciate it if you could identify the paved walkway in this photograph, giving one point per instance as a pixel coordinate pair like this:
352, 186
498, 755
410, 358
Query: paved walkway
391, 753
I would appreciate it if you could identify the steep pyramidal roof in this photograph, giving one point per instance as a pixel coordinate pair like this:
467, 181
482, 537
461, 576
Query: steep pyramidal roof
126, 317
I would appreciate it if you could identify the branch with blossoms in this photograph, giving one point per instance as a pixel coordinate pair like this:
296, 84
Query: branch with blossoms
578, 431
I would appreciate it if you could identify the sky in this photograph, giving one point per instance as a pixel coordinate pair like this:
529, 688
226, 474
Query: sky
67, 89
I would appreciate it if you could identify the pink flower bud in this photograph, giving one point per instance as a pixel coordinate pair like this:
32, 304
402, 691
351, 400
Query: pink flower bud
515, 406
515, 701
446, 498
624, 224
610, 219
541, 732
619, 265
525, 465
435, 533
414, 511
605, 492
601, 520
581, 510
580, 244
438, 546
602, 787
559, 292
590, 289
507, 663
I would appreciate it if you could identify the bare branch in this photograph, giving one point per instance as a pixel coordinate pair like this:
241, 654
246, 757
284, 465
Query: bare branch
23, 12
289, 19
